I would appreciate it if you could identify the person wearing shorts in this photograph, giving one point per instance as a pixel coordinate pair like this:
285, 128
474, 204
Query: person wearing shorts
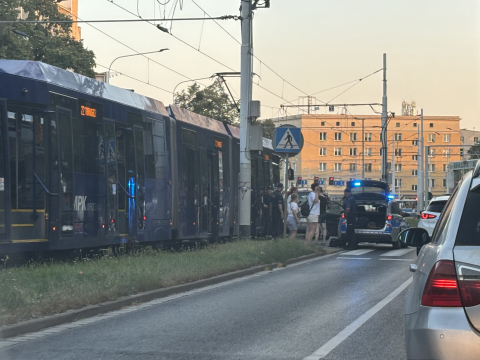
312, 218
322, 219
292, 218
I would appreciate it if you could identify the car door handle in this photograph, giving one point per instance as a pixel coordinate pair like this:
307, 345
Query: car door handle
413, 267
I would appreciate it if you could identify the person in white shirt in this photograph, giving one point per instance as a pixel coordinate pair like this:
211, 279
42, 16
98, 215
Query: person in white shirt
292, 218
314, 206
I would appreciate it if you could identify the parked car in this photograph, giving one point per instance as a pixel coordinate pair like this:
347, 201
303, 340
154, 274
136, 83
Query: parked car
333, 215
442, 305
379, 220
428, 218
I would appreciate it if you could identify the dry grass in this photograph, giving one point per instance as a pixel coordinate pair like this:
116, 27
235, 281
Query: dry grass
48, 288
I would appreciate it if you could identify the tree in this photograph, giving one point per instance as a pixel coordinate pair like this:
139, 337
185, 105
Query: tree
268, 128
51, 43
474, 151
212, 102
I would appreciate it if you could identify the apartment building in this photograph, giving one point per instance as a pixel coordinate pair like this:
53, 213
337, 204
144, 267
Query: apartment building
348, 147
70, 8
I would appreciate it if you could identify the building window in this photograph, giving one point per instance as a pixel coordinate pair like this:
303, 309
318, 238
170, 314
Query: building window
415, 142
353, 167
431, 124
414, 172
431, 152
323, 123
414, 124
368, 137
398, 152
398, 182
446, 138
322, 167
353, 136
444, 167
368, 152
322, 152
353, 123
431, 168
446, 153
338, 136
323, 136
368, 167
397, 125
338, 151
338, 167
475, 139
398, 167
353, 151
414, 187
461, 151
431, 137
338, 123
462, 139
414, 157
398, 136
432, 183
444, 182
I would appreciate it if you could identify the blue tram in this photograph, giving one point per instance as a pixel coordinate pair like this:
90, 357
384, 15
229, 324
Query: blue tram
85, 164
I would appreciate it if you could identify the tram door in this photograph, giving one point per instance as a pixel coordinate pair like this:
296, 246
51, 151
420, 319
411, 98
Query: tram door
3, 173
112, 177
209, 192
131, 174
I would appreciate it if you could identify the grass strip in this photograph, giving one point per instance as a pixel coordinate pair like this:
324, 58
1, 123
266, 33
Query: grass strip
412, 221
41, 289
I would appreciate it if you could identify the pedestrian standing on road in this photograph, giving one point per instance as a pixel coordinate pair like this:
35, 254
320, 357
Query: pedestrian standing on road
322, 219
350, 207
312, 218
293, 190
267, 211
277, 211
292, 218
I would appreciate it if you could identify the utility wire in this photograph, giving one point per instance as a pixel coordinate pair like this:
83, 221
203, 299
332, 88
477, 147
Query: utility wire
226, 17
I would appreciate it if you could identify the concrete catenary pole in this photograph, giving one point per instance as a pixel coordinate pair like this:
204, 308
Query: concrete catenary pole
426, 176
420, 175
245, 176
384, 121
393, 164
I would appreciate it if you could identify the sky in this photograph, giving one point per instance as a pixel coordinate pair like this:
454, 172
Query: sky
432, 47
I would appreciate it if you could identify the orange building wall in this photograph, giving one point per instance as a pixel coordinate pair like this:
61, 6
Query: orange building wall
307, 163
70, 8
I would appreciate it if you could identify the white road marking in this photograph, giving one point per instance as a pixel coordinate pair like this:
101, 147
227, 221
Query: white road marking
398, 252
350, 329
353, 258
63, 327
358, 252
388, 259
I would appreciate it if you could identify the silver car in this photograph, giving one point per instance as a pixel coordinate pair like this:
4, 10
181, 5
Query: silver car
442, 308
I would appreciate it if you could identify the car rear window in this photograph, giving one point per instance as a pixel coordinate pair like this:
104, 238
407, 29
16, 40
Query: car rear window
436, 206
469, 228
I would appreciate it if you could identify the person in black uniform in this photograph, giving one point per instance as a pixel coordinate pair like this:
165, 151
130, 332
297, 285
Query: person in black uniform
350, 207
277, 211
267, 211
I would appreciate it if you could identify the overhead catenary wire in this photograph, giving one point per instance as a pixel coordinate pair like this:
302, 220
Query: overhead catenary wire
53, 21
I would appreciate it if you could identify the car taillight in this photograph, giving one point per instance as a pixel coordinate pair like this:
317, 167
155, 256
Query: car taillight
469, 284
389, 217
427, 216
441, 289
343, 216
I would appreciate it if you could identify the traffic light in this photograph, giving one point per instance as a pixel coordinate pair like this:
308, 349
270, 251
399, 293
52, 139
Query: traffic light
315, 179
291, 174
331, 180
299, 180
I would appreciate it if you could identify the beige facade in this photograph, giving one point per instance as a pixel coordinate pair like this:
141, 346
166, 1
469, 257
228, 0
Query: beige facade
333, 147
70, 8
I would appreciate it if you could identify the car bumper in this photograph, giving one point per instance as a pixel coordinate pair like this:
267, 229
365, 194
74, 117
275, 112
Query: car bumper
440, 333
372, 237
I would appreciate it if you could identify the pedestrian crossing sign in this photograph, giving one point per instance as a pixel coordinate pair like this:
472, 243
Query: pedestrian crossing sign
288, 140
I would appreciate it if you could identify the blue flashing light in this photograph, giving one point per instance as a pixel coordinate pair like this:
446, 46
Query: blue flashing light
391, 196
357, 184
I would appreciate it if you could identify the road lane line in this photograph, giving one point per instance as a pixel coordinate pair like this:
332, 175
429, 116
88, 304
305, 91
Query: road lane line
358, 252
353, 258
389, 259
350, 329
398, 252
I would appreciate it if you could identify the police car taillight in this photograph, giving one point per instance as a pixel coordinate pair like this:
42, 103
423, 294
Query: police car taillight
389, 217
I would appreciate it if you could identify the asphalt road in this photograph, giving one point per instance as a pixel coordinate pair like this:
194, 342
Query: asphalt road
340, 307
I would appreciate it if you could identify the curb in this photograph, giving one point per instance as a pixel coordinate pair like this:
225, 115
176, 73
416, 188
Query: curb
108, 306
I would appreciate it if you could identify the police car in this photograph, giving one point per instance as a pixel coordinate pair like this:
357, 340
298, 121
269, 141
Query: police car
379, 220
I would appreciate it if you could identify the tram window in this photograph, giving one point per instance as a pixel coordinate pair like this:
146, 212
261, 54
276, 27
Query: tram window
88, 144
190, 176
160, 158
12, 152
25, 163
3, 169
149, 152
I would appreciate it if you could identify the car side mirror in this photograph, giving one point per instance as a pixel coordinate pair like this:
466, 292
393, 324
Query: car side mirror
405, 214
416, 237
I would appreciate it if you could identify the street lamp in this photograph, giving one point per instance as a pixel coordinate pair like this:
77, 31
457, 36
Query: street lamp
145, 53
